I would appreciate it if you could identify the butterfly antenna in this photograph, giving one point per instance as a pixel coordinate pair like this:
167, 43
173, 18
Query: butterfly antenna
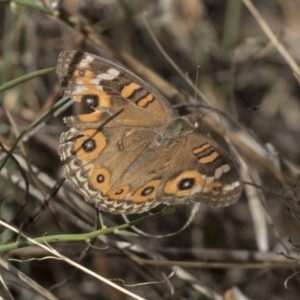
196, 83
171, 61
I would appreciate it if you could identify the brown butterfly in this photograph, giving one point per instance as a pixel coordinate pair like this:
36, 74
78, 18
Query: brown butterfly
133, 152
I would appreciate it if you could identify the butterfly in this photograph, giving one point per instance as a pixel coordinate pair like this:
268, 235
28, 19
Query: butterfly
133, 152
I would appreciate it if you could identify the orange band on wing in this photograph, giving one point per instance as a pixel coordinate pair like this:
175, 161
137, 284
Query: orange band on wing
89, 118
129, 89
144, 101
201, 148
210, 158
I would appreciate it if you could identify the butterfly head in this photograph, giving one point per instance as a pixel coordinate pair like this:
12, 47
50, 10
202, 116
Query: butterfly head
194, 120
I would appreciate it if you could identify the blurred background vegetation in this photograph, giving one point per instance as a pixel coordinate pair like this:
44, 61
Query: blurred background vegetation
247, 249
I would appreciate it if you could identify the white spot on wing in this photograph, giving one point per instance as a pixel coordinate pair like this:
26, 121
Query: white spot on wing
106, 76
113, 72
232, 186
208, 179
88, 59
221, 170
226, 168
79, 89
109, 75
96, 82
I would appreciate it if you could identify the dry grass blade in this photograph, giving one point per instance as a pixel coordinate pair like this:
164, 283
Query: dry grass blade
5, 290
26, 280
67, 260
281, 49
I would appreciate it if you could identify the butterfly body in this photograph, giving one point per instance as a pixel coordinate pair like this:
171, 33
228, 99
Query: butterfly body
133, 153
